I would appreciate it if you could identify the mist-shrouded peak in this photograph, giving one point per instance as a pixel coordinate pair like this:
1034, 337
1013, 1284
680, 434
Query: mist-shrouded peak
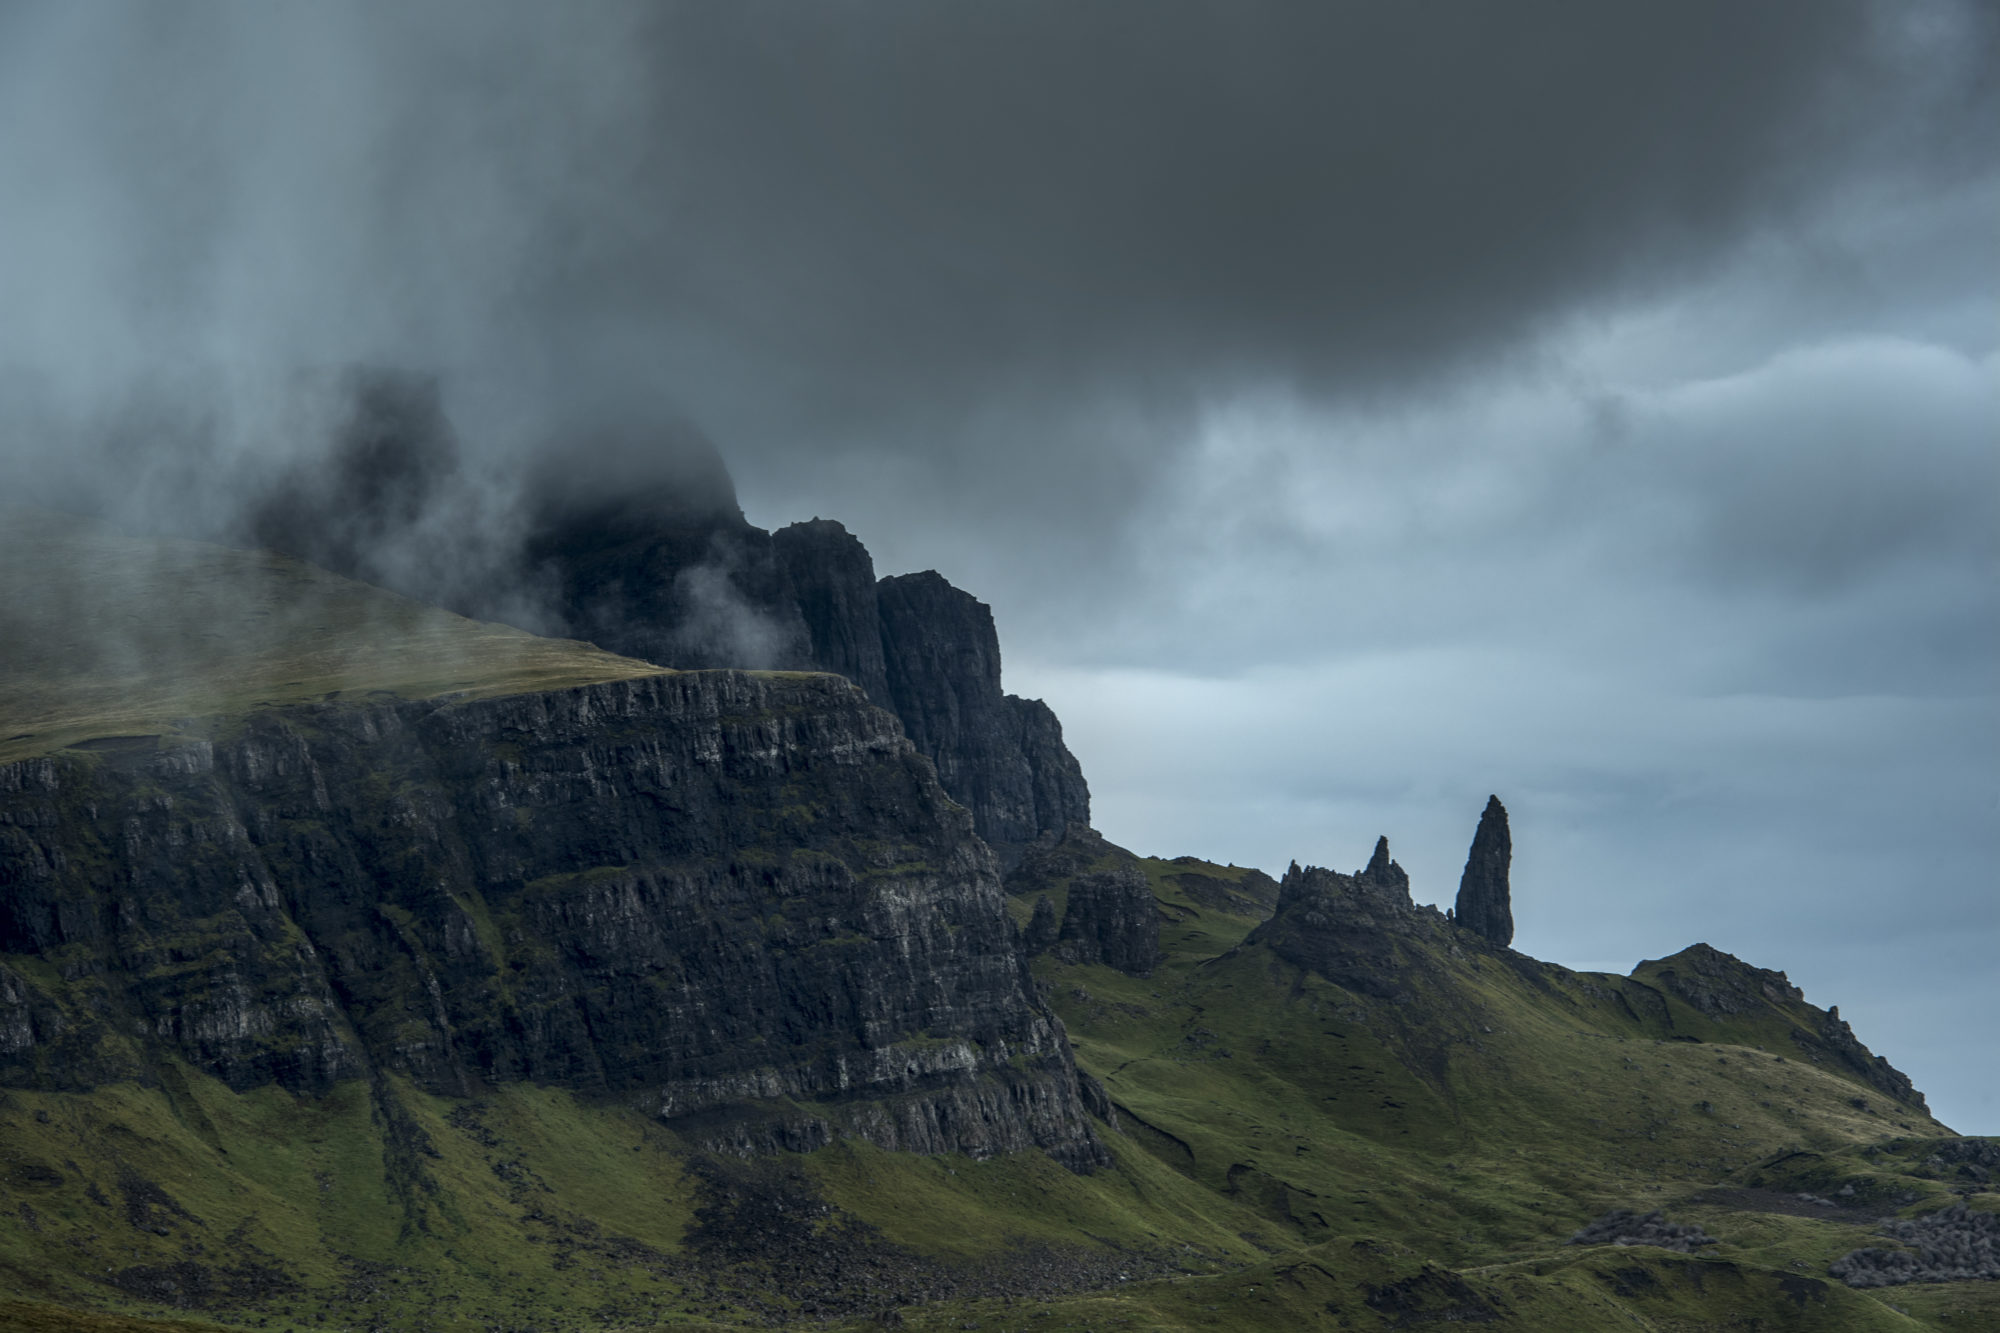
379, 484
619, 482
355, 500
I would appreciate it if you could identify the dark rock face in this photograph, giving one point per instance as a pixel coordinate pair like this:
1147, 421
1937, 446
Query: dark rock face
1097, 1099
1002, 756
1111, 919
1352, 929
1484, 903
1110, 916
831, 581
741, 902
718, 592
1042, 930
638, 545
1056, 857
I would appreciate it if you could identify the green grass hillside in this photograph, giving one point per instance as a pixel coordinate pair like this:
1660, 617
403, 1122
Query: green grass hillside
105, 636
1487, 1116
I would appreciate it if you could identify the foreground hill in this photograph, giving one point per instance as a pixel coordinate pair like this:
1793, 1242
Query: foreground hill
471, 999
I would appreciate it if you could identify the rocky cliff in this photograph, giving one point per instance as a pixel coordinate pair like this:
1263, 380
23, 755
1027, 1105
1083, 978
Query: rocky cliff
1003, 756
639, 545
1111, 918
740, 901
715, 591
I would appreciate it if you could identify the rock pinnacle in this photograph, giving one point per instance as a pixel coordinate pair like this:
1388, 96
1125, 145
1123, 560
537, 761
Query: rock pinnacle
1484, 904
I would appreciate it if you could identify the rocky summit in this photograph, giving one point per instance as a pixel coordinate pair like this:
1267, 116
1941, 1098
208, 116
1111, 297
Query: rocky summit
364, 966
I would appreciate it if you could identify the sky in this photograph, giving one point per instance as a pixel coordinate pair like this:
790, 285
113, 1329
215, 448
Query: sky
1348, 410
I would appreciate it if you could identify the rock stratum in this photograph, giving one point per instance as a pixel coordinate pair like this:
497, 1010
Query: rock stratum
739, 901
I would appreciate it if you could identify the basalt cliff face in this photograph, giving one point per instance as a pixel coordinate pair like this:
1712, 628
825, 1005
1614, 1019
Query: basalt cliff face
640, 546
739, 901
714, 591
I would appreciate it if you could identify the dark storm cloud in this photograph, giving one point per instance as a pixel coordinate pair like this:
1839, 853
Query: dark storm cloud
916, 194
1005, 254
935, 231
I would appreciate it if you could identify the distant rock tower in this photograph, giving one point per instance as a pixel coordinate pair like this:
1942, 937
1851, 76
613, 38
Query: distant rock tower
1484, 903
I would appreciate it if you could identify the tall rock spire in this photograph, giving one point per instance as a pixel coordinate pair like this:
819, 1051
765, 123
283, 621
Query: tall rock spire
1484, 904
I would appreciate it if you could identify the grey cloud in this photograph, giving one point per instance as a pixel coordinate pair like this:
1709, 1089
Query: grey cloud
867, 226
1826, 516
1839, 465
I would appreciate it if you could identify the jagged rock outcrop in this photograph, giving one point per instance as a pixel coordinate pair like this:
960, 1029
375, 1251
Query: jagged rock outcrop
831, 580
1409, 968
1484, 903
1954, 1244
1111, 919
1622, 1226
638, 544
1001, 755
741, 902
1042, 930
1719, 984
1351, 929
1384, 873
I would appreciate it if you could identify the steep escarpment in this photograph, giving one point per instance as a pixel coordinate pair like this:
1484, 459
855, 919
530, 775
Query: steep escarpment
638, 544
1003, 756
739, 901
713, 591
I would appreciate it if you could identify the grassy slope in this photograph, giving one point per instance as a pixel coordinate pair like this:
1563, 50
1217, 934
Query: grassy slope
103, 636
1284, 1092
